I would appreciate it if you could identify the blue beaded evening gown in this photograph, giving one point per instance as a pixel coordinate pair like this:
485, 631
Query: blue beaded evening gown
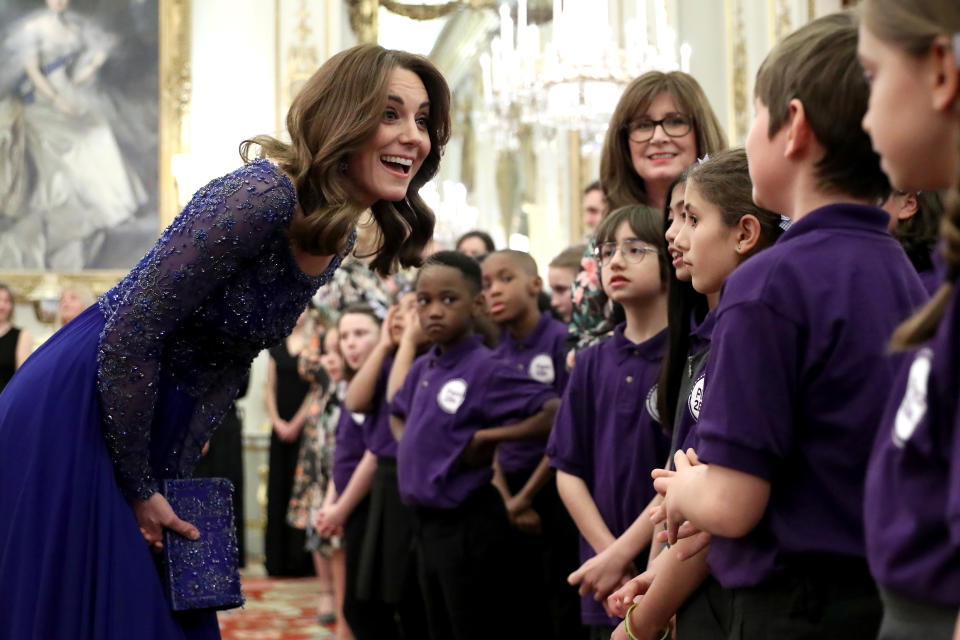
126, 395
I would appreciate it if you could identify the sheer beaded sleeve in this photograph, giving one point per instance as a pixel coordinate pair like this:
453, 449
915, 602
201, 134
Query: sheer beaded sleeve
223, 228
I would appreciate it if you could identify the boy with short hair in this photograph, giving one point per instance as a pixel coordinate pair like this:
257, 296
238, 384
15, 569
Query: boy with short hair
800, 341
533, 342
561, 273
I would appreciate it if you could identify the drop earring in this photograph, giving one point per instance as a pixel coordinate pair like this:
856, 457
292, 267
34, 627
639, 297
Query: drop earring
739, 247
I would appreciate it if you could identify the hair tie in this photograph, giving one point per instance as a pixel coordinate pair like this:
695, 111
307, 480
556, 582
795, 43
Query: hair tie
785, 223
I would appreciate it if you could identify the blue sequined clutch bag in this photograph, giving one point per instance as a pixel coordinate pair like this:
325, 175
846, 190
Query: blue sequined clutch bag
202, 573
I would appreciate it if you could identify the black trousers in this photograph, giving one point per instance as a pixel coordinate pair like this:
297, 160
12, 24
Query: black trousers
820, 596
466, 567
544, 561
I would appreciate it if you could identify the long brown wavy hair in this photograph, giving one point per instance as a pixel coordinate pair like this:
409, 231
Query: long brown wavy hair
335, 113
912, 27
621, 184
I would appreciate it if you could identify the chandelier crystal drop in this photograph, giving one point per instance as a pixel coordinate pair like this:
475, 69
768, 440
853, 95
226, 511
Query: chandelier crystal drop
573, 81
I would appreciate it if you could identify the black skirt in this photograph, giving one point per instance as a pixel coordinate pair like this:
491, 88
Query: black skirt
387, 554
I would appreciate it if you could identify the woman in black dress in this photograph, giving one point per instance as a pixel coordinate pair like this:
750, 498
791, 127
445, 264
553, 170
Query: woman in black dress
285, 399
14, 341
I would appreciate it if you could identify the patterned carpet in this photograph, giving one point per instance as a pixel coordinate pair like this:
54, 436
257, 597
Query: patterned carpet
276, 609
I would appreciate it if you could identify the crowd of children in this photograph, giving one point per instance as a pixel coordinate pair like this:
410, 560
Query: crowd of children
764, 447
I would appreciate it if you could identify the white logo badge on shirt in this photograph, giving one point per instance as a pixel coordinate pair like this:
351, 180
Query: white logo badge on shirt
652, 396
695, 399
914, 404
541, 369
358, 417
452, 395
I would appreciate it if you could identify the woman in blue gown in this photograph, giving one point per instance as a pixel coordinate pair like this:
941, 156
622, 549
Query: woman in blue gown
128, 393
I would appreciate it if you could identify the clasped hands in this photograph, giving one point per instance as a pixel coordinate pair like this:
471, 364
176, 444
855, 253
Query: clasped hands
329, 520
670, 485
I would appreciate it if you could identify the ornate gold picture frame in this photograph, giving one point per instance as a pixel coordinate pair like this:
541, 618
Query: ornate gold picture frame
172, 109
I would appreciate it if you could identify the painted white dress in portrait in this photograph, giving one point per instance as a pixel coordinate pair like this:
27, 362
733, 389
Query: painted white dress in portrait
63, 179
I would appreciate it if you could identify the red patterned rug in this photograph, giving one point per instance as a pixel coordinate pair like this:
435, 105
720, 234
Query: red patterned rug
276, 609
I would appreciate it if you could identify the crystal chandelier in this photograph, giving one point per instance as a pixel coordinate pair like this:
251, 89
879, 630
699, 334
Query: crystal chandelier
573, 81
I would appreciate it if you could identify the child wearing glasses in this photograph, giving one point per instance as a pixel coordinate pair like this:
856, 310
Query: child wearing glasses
721, 228
607, 436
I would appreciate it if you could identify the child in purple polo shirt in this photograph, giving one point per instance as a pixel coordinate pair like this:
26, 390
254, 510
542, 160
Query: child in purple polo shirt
385, 577
447, 416
607, 435
546, 541
721, 228
911, 54
353, 470
797, 364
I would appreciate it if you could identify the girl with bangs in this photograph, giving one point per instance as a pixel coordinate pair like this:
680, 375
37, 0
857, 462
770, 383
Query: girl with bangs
721, 228
607, 435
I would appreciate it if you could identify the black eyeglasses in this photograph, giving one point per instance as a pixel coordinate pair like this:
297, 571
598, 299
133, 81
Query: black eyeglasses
674, 125
633, 251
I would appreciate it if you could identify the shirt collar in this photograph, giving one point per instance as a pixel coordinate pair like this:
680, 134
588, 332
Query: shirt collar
651, 349
843, 215
515, 344
456, 353
701, 335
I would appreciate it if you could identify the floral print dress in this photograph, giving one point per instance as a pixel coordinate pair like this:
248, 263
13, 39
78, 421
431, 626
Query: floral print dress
593, 314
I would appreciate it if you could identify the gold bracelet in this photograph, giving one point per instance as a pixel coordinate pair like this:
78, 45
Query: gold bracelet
626, 622
665, 634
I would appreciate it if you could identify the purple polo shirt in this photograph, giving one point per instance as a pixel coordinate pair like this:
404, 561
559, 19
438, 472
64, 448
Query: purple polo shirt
541, 356
446, 398
932, 278
685, 435
349, 447
608, 433
912, 505
798, 365
376, 430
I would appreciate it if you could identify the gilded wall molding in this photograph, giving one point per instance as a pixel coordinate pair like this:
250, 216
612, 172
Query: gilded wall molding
363, 19
738, 118
782, 25
175, 95
301, 60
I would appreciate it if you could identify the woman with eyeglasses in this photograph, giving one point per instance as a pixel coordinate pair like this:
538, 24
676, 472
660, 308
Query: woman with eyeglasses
662, 123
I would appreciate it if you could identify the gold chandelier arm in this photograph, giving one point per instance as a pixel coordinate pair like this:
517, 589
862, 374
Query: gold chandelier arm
433, 11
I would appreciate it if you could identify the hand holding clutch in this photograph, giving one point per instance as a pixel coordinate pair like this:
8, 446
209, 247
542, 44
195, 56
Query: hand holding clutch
202, 573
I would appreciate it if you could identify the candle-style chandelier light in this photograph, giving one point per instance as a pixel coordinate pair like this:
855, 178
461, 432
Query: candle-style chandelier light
573, 80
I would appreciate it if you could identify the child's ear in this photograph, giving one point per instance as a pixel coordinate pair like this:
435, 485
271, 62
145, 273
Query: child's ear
748, 234
479, 305
944, 74
799, 134
910, 206
535, 285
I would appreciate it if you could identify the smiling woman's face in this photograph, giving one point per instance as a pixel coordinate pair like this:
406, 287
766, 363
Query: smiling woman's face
662, 157
383, 168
